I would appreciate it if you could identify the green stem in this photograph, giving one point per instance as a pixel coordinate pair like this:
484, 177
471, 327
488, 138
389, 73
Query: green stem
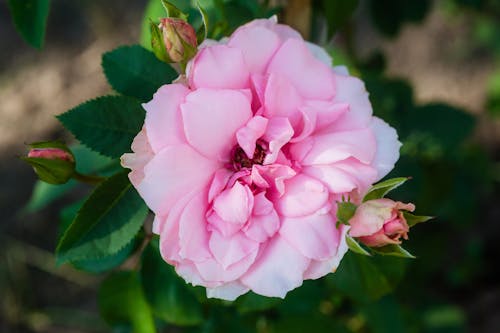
88, 179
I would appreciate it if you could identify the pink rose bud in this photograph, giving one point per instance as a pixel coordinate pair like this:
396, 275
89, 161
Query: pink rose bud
380, 222
53, 162
179, 38
51, 154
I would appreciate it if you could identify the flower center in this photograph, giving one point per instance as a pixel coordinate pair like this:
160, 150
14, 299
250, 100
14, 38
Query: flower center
241, 160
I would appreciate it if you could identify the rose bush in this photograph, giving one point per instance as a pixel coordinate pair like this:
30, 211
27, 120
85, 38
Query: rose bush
243, 160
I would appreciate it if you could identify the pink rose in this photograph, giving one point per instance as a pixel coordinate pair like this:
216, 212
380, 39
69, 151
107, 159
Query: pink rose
244, 163
380, 222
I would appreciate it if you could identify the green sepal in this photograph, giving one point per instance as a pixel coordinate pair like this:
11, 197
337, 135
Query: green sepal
394, 250
345, 211
173, 11
202, 32
354, 246
379, 190
54, 172
157, 43
411, 219
51, 144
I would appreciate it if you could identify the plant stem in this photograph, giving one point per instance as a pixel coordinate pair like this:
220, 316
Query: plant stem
88, 179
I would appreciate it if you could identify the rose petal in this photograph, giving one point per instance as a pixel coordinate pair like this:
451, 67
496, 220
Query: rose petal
163, 117
247, 136
387, 147
229, 250
218, 66
278, 270
235, 204
211, 119
264, 222
303, 196
278, 132
312, 78
172, 173
229, 291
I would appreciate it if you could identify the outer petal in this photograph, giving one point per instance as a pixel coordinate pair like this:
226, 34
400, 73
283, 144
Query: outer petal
387, 147
172, 173
219, 66
230, 250
312, 78
319, 269
334, 147
163, 118
211, 271
279, 269
303, 196
319, 53
315, 236
137, 160
229, 291
246, 38
211, 119
352, 91
282, 30
193, 233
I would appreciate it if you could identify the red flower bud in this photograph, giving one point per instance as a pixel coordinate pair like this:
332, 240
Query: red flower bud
53, 162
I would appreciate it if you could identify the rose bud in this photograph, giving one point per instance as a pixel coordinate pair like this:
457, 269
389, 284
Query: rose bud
53, 162
380, 222
179, 38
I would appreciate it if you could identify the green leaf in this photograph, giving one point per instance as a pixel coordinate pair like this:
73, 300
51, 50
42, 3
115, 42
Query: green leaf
355, 246
379, 190
67, 215
415, 219
107, 124
251, 302
121, 301
136, 72
169, 296
158, 44
394, 250
30, 19
108, 220
173, 11
44, 193
345, 211
338, 13
201, 35
54, 171
366, 279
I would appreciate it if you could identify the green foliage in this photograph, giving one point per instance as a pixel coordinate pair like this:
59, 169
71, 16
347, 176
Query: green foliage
356, 247
394, 250
98, 265
345, 211
170, 297
390, 15
381, 189
365, 279
337, 13
135, 71
30, 19
106, 124
412, 219
108, 220
122, 302
384, 316
251, 302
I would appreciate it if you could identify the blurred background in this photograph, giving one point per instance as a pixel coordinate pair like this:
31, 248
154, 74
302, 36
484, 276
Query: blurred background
433, 71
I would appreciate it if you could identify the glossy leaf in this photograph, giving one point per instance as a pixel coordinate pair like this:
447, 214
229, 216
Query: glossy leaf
136, 72
30, 19
379, 190
122, 302
365, 279
394, 250
108, 220
412, 219
356, 247
106, 124
169, 295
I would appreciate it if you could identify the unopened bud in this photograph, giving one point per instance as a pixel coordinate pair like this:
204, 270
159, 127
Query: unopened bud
179, 38
53, 162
